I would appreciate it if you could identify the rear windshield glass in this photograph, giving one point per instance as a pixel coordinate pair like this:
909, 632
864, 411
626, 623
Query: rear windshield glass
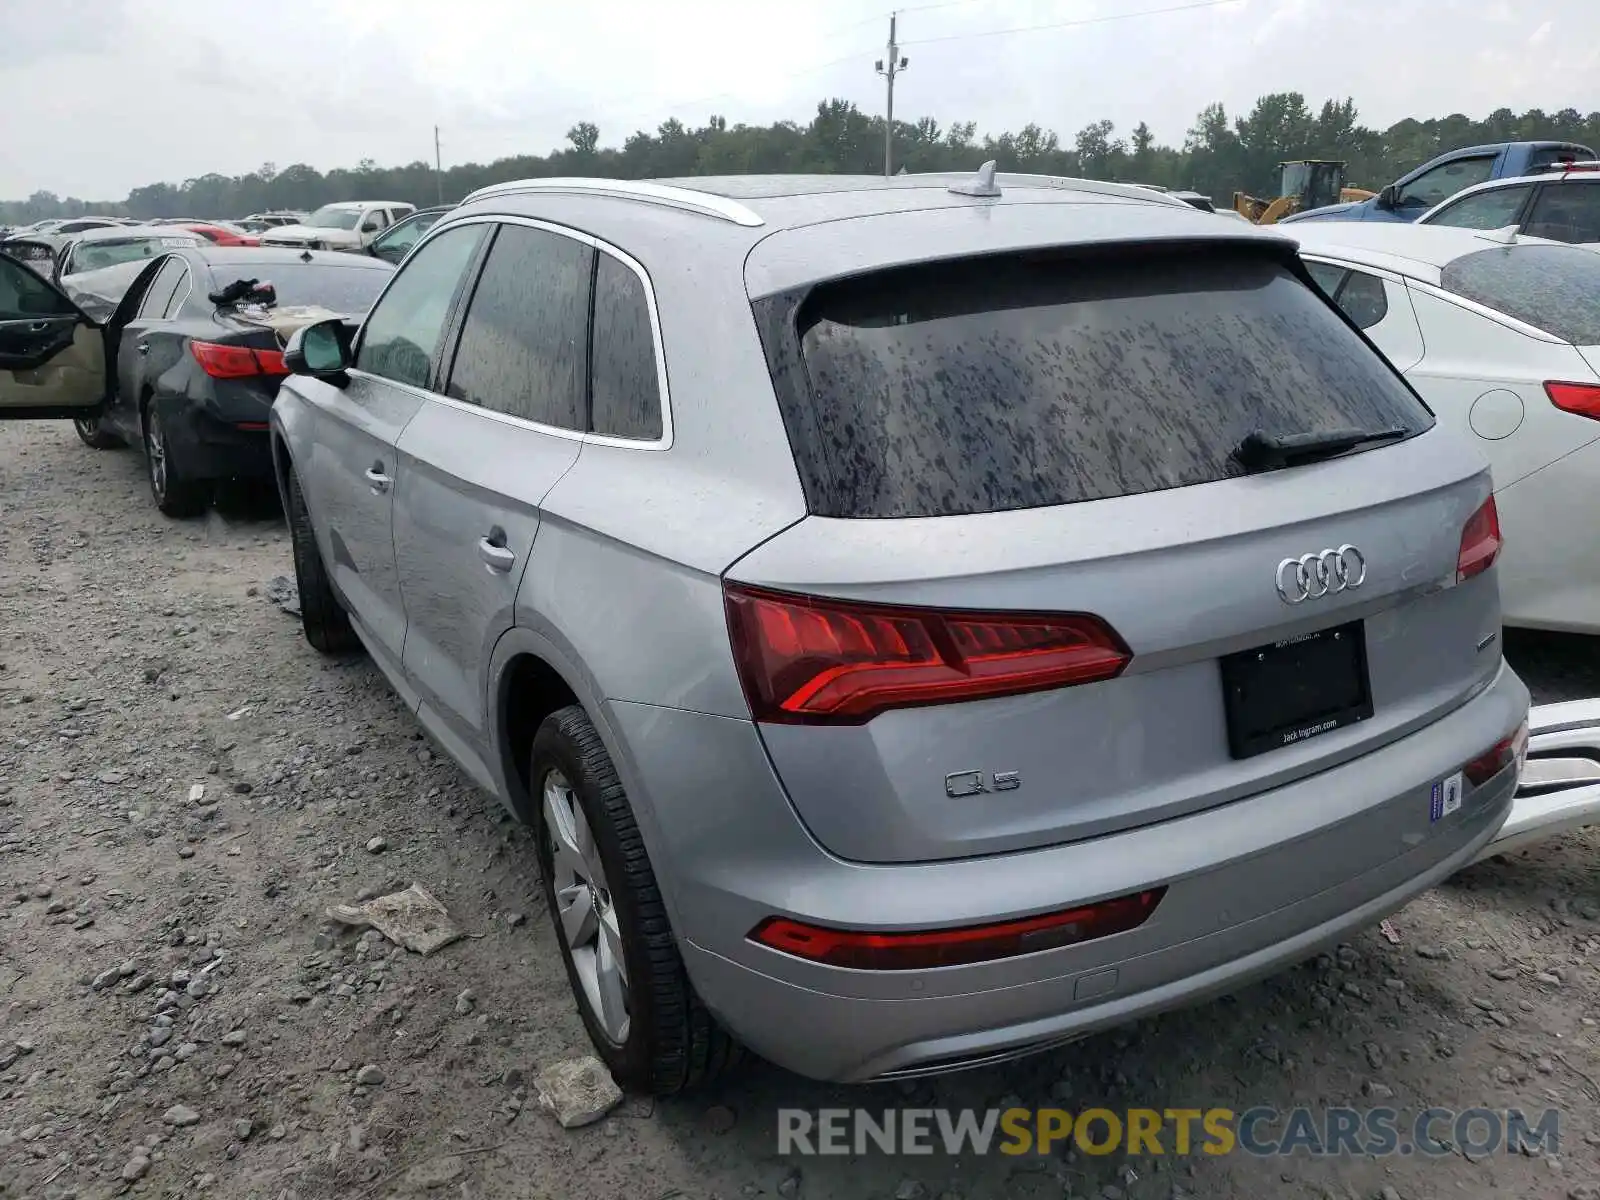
1553, 288
349, 291
1004, 383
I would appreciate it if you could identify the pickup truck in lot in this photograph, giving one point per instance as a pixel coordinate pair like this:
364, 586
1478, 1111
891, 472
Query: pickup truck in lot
1436, 180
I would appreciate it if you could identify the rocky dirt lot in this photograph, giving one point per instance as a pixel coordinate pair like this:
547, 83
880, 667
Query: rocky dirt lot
185, 787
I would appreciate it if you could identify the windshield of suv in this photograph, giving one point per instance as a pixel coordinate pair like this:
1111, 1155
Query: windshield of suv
109, 252
1552, 288
1011, 382
330, 217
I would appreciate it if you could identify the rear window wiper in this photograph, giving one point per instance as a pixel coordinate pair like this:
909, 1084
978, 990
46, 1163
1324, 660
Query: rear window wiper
1261, 451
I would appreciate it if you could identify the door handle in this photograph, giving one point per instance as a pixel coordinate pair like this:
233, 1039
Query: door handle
379, 481
39, 327
494, 552
142, 347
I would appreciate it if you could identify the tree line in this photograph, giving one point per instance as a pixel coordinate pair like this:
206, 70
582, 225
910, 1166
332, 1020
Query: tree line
1220, 153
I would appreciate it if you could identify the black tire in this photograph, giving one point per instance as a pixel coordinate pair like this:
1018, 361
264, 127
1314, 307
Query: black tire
92, 432
326, 624
176, 492
673, 1042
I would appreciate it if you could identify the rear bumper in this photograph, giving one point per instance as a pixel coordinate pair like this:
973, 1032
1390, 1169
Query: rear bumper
210, 446
1252, 885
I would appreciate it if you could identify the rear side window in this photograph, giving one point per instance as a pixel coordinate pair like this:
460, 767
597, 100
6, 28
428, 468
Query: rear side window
1552, 288
1328, 277
624, 388
1567, 212
1003, 383
525, 339
1363, 299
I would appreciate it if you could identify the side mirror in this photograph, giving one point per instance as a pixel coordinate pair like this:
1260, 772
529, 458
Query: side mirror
321, 350
1386, 198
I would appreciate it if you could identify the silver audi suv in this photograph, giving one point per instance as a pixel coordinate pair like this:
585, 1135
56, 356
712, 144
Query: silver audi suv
926, 619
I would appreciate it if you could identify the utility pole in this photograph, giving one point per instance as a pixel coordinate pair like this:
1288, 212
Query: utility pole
438, 167
889, 67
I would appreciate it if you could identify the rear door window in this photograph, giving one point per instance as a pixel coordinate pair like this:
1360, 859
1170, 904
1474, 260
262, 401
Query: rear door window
1494, 209
1567, 212
1552, 288
1015, 382
153, 305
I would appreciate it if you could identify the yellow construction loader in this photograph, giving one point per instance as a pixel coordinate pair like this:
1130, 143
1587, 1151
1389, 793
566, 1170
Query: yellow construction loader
1305, 183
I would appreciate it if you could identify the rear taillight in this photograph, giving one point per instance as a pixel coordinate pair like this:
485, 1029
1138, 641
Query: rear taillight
1498, 757
810, 660
956, 947
1480, 542
236, 362
1580, 399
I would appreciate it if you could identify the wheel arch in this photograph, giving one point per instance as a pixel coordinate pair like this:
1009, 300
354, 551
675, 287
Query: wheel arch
282, 464
529, 677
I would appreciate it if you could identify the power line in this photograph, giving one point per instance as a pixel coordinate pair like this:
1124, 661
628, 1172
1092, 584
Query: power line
1149, 12
898, 12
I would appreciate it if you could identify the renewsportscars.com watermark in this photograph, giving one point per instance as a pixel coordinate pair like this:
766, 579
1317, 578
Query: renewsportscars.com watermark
1263, 1132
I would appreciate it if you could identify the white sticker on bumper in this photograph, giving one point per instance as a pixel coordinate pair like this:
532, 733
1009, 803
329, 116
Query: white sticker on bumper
1446, 797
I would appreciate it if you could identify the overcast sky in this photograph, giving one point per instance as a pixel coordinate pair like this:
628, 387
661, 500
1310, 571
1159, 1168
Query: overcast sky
101, 96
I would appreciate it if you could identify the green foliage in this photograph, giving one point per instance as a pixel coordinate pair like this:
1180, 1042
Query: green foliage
1218, 155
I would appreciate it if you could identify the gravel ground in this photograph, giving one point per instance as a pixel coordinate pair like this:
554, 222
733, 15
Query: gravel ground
185, 787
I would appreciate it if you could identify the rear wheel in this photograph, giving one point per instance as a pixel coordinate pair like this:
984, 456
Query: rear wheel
622, 960
326, 624
176, 493
92, 432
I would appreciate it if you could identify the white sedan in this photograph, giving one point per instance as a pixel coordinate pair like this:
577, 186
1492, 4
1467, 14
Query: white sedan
1500, 334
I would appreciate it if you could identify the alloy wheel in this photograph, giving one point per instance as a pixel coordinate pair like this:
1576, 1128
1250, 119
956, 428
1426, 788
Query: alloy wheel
585, 908
156, 450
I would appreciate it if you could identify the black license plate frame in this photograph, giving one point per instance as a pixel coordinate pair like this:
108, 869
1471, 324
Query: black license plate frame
1290, 691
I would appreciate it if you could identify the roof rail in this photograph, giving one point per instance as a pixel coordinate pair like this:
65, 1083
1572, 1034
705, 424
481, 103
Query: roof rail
705, 203
1066, 183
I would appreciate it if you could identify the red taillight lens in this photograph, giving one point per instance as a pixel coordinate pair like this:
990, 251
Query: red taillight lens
955, 947
236, 362
1580, 399
807, 660
1497, 757
1480, 542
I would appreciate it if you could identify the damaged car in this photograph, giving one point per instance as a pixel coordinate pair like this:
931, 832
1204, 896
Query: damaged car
96, 249
186, 364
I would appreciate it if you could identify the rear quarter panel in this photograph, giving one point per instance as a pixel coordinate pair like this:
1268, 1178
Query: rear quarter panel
626, 574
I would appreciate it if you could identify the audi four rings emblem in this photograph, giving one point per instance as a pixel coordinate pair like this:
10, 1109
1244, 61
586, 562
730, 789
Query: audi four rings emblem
1313, 576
